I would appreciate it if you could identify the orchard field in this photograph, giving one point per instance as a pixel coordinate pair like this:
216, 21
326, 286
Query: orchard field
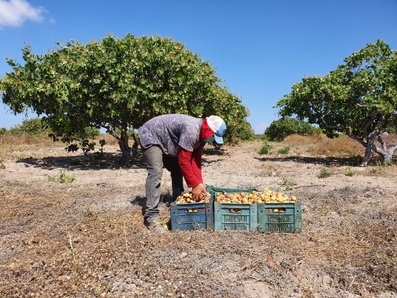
71, 225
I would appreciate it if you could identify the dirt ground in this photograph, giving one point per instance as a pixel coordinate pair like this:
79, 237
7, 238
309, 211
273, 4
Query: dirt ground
71, 226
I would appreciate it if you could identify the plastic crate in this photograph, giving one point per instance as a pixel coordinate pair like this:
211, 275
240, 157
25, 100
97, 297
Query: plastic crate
213, 189
192, 216
280, 217
238, 217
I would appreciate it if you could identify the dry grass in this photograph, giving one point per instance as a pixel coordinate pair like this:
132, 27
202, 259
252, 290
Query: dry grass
16, 147
314, 145
72, 241
321, 145
25, 139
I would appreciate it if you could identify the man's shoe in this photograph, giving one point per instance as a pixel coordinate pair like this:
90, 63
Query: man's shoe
156, 228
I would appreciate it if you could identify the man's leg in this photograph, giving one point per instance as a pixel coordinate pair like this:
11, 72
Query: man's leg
171, 164
153, 158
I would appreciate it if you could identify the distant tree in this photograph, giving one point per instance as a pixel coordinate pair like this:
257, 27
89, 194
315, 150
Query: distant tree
118, 84
281, 128
359, 99
29, 126
89, 133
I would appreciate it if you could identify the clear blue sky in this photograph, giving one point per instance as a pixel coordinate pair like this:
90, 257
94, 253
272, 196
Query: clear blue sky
260, 48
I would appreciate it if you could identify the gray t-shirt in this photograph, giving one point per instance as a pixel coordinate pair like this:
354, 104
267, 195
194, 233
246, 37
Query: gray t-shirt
171, 131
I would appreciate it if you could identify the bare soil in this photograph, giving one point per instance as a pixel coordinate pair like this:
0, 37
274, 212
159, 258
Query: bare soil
71, 226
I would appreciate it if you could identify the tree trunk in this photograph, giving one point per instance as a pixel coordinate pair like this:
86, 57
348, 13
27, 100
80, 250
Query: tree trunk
135, 146
125, 149
387, 158
368, 150
383, 151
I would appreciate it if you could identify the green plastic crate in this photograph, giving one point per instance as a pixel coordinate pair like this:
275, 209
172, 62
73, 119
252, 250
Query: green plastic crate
213, 189
193, 216
237, 217
289, 220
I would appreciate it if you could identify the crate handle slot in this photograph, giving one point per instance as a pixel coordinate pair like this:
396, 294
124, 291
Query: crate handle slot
191, 210
277, 210
235, 210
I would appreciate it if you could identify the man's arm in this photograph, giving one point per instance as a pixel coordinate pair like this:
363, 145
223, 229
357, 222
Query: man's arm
190, 164
190, 170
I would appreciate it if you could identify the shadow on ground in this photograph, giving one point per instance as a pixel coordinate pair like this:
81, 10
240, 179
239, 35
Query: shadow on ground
92, 161
98, 161
327, 161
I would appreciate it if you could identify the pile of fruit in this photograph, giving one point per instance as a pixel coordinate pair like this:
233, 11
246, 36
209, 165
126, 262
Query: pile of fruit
266, 196
187, 197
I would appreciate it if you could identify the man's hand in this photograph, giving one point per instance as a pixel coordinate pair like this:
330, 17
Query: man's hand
197, 192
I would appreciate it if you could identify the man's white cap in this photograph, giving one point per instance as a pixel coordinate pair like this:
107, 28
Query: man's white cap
218, 126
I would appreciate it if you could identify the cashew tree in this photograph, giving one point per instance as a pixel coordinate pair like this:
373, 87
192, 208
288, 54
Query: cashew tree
358, 98
117, 84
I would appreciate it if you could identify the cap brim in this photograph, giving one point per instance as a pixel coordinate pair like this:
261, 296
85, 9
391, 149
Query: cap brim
218, 140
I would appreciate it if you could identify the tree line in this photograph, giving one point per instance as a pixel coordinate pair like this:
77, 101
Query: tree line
117, 84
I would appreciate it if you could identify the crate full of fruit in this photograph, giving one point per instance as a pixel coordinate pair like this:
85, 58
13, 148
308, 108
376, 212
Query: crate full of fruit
234, 209
279, 213
280, 217
187, 214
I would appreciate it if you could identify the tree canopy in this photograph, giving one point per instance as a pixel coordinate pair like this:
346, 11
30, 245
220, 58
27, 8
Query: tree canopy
358, 98
118, 84
283, 127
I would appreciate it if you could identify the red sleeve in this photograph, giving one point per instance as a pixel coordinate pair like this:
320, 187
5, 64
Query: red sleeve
190, 164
